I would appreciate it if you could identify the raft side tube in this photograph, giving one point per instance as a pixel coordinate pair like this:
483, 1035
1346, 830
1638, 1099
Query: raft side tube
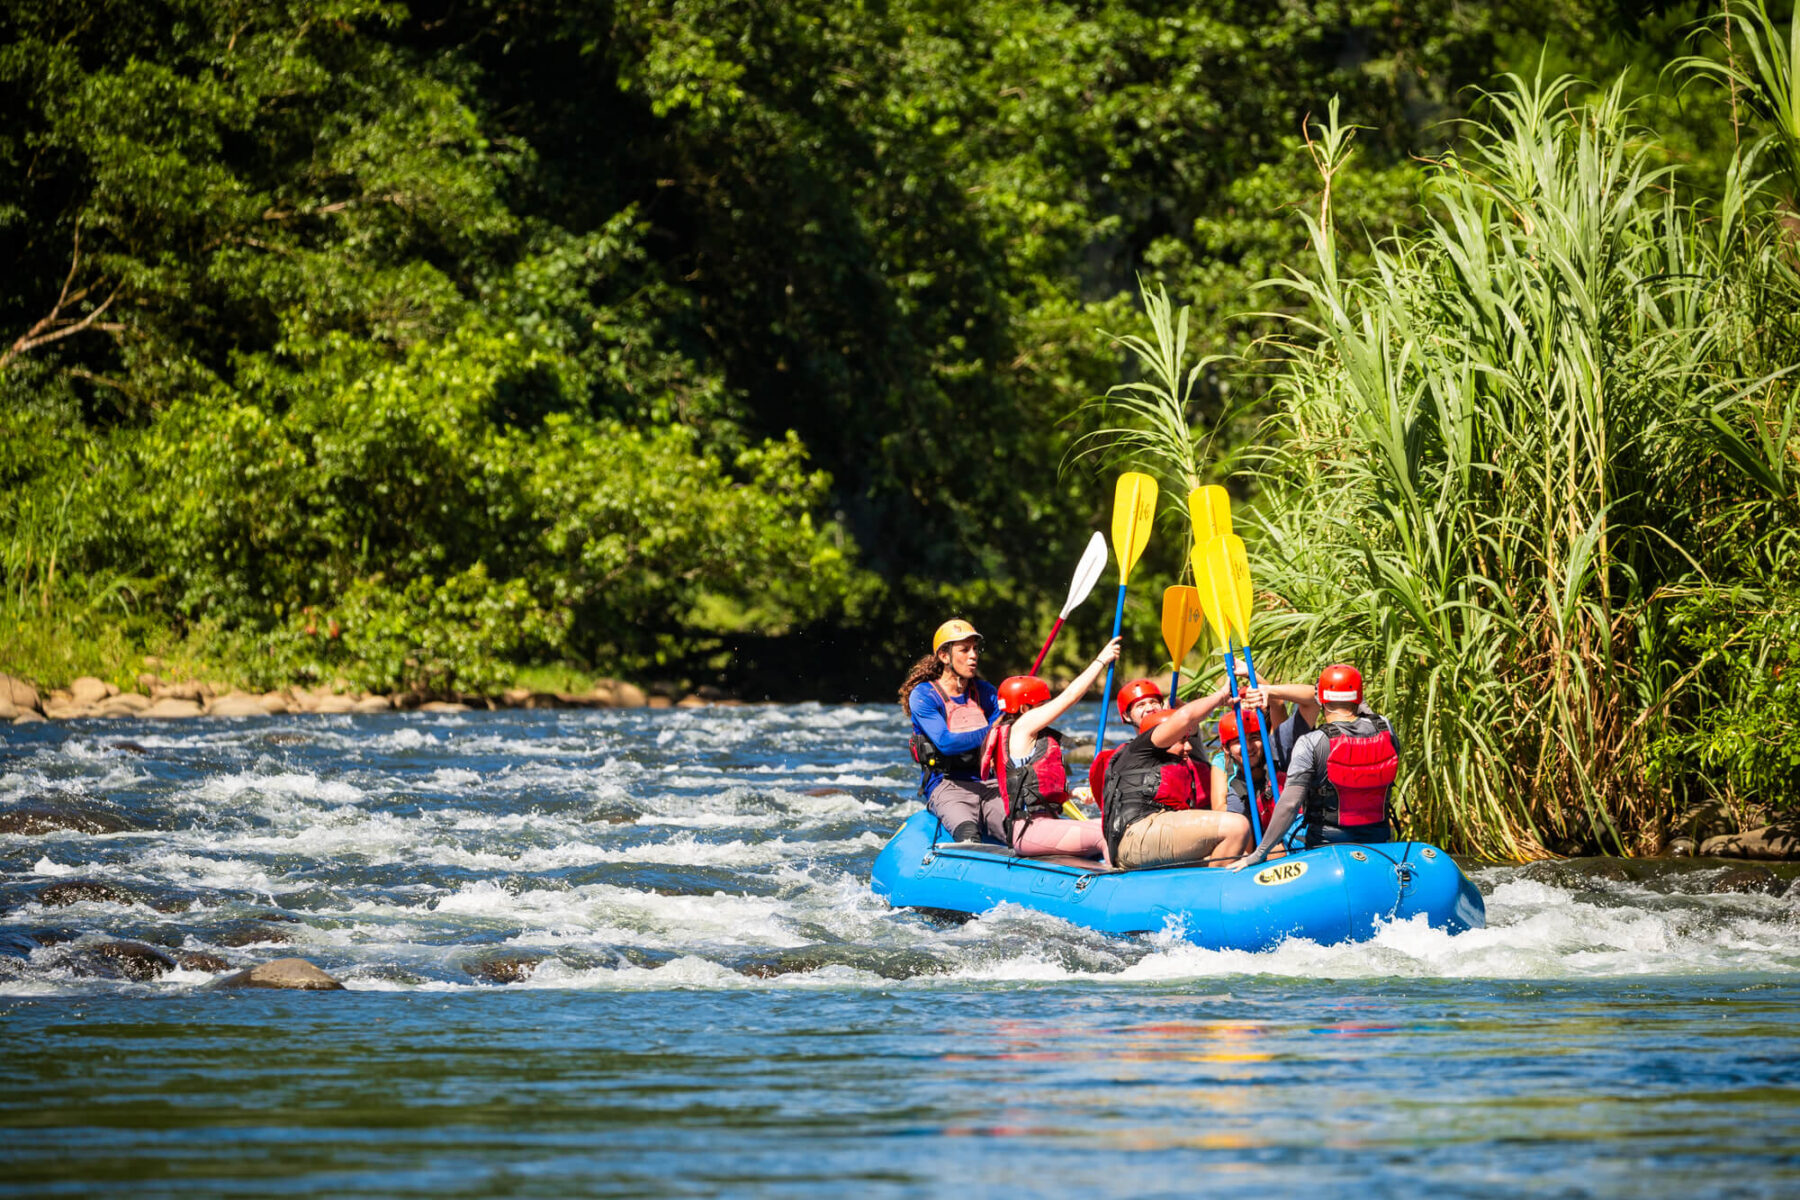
1329, 894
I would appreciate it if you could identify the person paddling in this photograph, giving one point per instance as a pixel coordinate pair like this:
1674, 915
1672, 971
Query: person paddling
1342, 773
952, 708
1156, 809
1024, 755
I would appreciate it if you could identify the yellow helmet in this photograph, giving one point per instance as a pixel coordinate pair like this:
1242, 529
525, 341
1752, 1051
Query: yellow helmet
954, 630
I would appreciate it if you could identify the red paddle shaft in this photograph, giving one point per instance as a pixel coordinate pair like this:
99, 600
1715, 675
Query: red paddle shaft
1040, 658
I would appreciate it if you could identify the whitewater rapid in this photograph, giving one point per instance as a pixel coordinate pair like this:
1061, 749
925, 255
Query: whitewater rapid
722, 848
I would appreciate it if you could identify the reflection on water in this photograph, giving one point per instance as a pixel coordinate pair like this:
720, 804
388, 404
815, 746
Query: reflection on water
636, 954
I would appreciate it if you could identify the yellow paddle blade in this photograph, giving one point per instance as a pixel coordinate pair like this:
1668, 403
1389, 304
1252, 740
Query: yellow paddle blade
1238, 564
1182, 618
1134, 510
1210, 510
1228, 593
1209, 596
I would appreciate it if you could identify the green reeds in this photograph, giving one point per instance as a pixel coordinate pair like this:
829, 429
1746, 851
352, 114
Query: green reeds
1496, 455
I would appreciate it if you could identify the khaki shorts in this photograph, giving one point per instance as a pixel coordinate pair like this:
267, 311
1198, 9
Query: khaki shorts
1172, 837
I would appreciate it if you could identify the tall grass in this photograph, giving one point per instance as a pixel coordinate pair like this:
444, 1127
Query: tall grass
1499, 449
1504, 451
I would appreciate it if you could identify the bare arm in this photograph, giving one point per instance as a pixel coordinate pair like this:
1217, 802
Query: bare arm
1027, 728
1187, 718
1299, 695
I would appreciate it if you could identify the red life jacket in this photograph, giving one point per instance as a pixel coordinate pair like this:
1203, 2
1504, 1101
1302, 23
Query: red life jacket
1358, 775
1036, 787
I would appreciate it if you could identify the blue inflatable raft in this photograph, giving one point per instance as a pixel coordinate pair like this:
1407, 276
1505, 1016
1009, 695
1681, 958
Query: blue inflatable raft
1334, 893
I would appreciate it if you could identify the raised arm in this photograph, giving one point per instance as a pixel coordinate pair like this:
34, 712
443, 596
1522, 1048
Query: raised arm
1300, 695
1026, 728
1186, 721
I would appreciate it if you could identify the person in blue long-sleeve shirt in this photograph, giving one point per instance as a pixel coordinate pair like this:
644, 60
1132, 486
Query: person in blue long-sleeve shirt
952, 708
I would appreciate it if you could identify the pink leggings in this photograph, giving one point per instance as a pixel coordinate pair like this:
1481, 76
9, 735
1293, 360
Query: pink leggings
1054, 835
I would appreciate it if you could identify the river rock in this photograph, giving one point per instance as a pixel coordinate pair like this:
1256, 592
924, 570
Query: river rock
373, 704
200, 960
237, 704
59, 709
170, 709
85, 891
691, 702
21, 695
444, 706
28, 718
177, 691
251, 933
661, 702
629, 695
89, 690
1750, 880
132, 960
332, 704
125, 704
1774, 843
45, 813
294, 973
274, 703
8, 710
504, 968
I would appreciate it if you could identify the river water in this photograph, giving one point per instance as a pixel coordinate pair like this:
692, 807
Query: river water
707, 1000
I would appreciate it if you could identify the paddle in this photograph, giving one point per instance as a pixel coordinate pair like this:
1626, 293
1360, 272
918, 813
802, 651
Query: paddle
1229, 566
1209, 508
1218, 599
1182, 620
1087, 574
1134, 510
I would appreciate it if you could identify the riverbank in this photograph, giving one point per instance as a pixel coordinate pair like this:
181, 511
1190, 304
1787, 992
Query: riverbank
154, 698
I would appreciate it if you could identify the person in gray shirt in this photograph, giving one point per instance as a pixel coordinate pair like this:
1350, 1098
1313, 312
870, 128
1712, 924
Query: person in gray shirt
1341, 772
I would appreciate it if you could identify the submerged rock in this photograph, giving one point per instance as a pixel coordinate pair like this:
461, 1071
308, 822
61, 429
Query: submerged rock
130, 960
85, 891
889, 964
504, 968
1750, 880
45, 814
293, 973
200, 960
251, 933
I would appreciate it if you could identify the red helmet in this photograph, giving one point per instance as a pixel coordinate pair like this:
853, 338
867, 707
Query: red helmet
1340, 684
1021, 692
1134, 691
1228, 726
1153, 718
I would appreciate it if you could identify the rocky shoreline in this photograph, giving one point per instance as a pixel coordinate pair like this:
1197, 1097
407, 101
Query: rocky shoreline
88, 697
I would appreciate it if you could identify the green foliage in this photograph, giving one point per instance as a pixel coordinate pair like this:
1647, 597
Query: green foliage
666, 335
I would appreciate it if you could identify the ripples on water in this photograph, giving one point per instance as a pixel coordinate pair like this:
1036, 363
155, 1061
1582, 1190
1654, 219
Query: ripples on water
707, 999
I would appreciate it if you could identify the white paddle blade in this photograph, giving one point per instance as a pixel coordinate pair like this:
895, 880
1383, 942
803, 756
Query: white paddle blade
1093, 565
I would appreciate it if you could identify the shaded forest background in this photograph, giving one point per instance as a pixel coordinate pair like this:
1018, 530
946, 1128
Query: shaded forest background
444, 346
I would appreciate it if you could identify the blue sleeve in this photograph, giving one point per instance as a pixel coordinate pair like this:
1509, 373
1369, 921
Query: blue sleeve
927, 709
930, 719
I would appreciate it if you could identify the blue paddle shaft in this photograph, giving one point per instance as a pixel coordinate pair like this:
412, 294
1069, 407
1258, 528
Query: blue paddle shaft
1106, 696
1174, 686
1268, 750
1249, 775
